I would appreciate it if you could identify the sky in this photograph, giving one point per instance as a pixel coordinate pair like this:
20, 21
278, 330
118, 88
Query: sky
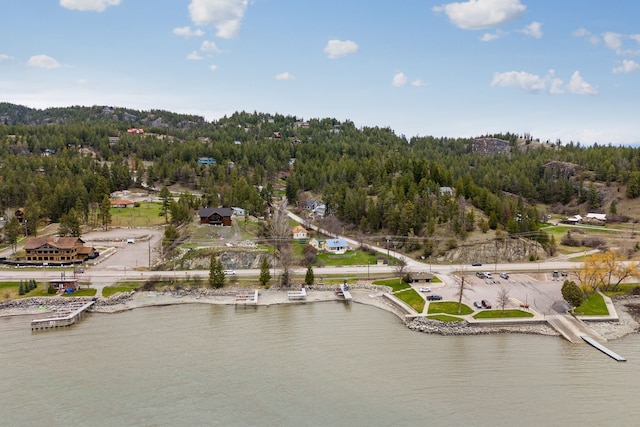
564, 70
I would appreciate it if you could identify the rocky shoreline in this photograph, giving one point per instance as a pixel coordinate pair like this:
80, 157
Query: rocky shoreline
628, 309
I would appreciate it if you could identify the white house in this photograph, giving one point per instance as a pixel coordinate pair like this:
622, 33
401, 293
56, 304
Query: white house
299, 233
336, 246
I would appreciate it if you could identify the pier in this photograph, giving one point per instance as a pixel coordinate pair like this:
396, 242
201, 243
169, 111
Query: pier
297, 295
247, 298
66, 316
343, 291
595, 344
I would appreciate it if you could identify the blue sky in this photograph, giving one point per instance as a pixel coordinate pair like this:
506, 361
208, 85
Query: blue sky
566, 69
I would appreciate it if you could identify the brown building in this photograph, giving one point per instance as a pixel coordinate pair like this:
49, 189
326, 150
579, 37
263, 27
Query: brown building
58, 250
215, 216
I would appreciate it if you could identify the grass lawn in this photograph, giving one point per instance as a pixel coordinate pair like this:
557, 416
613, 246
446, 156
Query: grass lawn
107, 291
11, 290
350, 258
623, 289
394, 284
145, 215
449, 307
412, 298
499, 314
82, 293
593, 306
445, 318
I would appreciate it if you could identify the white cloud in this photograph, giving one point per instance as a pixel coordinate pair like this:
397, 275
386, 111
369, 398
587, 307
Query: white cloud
479, 14
285, 76
627, 66
43, 61
4, 57
533, 30
520, 79
225, 15
187, 32
613, 41
487, 37
578, 86
339, 48
531, 83
213, 67
194, 56
209, 46
89, 5
399, 79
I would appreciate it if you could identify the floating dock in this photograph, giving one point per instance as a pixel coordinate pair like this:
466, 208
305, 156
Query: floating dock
66, 316
605, 350
247, 298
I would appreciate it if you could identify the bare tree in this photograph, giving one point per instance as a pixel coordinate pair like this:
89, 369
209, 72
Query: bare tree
400, 267
503, 297
280, 231
461, 288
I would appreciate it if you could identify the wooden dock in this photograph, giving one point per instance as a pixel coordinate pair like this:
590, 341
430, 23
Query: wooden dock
66, 316
297, 295
247, 298
595, 344
343, 291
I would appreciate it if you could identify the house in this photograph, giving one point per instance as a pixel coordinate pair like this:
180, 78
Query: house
419, 277
206, 161
215, 216
300, 233
315, 243
62, 250
576, 219
122, 203
596, 218
239, 211
114, 139
134, 130
336, 246
446, 191
320, 210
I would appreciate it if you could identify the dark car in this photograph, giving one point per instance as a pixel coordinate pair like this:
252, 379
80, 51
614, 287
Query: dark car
485, 304
434, 297
477, 304
477, 264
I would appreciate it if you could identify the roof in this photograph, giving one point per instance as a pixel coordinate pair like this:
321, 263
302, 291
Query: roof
332, 243
122, 202
57, 242
598, 216
207, 212
298, 229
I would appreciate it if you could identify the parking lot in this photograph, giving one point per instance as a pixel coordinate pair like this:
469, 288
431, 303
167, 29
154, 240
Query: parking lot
540, 291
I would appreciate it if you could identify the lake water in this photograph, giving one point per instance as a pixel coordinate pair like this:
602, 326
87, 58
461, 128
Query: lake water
305, 365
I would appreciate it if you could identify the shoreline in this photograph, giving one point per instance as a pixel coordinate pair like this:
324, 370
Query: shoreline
628, 309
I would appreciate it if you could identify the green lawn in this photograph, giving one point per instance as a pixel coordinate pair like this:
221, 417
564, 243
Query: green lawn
499, 314
448, 307
623, 289
445, 318
107, 291
145, 215
350, 258
394, 284
412, 298
593, 306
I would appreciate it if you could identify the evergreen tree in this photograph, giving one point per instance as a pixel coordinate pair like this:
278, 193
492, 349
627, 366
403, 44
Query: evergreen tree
216, 272
165, 196
309, 278
105, 212
21, 290
265, 275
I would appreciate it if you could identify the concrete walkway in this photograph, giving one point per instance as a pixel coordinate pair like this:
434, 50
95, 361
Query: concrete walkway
572, 328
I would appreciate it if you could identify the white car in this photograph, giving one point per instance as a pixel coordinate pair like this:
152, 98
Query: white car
229, 272
425, 289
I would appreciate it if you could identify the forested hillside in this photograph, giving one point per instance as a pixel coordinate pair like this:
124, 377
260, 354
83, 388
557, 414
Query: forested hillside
63, 160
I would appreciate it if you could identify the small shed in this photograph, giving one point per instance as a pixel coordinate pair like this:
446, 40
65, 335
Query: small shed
64, 285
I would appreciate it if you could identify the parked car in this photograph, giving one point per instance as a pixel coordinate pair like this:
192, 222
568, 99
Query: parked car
476, 264
434, 297
229, 272
477, 304
485, 304
425, 289
79, 270
505, 276
480, 274
131, 240
488, 275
